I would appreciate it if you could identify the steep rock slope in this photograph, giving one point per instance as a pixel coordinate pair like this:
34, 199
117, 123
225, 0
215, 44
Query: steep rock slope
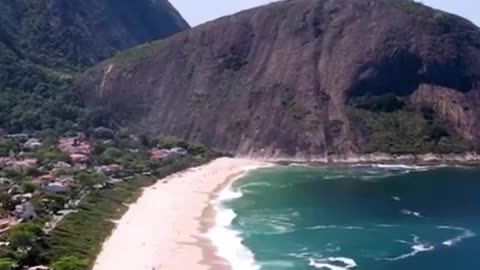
44, 42
81, 33
305, 78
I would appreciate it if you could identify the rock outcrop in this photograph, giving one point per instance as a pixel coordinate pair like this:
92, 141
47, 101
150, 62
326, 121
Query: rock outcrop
283, 80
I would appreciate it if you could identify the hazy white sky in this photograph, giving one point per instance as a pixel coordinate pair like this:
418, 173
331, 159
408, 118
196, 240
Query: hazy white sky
199, 11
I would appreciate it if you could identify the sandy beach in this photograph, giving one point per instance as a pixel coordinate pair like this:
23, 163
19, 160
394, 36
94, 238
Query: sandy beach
165, 228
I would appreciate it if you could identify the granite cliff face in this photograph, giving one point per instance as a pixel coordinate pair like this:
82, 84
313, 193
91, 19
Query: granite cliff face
305, 78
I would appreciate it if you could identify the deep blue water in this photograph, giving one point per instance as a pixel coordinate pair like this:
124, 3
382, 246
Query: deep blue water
367, 218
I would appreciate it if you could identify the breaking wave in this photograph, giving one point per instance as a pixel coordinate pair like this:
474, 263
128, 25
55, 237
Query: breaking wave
227, 240
333, 263
465, 234
417, 247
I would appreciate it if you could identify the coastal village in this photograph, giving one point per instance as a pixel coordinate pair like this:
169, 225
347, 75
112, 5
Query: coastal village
43, 180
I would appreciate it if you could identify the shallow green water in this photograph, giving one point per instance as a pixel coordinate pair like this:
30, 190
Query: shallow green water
368, 218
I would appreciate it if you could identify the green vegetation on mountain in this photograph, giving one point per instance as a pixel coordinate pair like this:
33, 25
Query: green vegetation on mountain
392, 124
45, 44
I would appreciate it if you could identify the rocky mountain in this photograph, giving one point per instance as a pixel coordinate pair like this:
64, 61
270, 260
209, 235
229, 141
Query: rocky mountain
44, 42
305, 78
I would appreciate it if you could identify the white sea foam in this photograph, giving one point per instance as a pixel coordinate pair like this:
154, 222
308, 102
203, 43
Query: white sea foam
229, 195
335, 176
417, 247
396, 198
402, 167
411, 213
333, 263
387, 225
323, 227
465, 233
226, 239
256, 184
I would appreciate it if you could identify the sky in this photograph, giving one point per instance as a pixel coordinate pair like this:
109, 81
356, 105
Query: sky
200, 11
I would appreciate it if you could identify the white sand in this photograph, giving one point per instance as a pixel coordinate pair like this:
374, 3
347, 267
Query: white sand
162, 230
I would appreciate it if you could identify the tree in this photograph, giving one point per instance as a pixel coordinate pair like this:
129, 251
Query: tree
29, 187
103, 133
170, 141
90, 179
24, 235
50, 154
8, 145
56, 202
110, 155
70, 263
6, 201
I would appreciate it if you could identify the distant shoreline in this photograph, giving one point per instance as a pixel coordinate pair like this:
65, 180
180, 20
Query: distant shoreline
429, 159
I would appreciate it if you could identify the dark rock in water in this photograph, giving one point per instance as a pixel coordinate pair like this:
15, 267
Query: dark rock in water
305, 78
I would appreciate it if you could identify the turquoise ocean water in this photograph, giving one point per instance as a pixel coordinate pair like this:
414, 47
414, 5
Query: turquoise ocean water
365, 217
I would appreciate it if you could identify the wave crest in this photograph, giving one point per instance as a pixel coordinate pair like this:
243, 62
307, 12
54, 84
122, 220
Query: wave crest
332, 263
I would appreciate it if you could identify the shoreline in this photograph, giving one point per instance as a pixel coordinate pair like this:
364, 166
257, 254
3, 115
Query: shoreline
468, 159
168, 225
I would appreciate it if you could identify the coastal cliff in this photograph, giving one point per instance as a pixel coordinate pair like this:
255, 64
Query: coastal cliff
304, 78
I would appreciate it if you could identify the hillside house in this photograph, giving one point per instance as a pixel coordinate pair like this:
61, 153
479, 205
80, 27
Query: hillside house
19, 136
108, 170
75, 145
44, 180
56, 188
159, 154
25, 211
179, 151
32, 144
79, 158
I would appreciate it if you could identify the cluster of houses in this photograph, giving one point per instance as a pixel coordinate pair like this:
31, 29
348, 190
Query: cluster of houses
57, 178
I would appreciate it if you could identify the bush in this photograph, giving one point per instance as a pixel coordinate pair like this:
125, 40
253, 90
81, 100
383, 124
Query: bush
383, 103
87, 179
6, 264
405, 131
110, 155
24, 236
103, 133
51, 154
170, 142
29, 187
70, 263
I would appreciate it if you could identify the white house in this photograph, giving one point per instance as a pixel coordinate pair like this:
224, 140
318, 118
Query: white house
56, 188
32, 144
